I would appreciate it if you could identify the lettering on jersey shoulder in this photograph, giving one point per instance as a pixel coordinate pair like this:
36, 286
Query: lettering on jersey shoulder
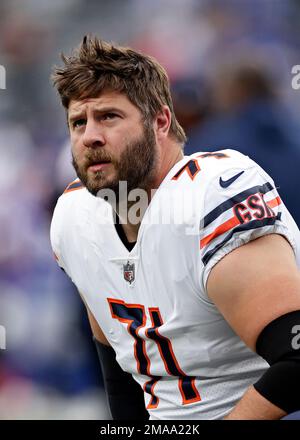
129, 272
244, 211
253, 208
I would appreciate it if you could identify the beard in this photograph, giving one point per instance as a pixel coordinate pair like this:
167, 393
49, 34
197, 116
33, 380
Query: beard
136, 165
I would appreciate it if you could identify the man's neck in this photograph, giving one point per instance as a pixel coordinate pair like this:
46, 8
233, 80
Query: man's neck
130, 228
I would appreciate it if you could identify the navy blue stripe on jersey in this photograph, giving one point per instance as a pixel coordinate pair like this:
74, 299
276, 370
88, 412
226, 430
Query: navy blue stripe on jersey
148, 388
164, 345
229, 203
75, 185
255, 224
133, 315
192, 167
186, 383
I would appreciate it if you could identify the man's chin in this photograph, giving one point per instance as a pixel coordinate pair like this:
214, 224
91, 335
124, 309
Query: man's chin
104, 189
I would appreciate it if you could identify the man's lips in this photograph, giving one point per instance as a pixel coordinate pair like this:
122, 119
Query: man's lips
98, 166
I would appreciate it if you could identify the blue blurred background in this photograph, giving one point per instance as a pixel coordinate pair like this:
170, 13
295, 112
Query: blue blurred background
230, 64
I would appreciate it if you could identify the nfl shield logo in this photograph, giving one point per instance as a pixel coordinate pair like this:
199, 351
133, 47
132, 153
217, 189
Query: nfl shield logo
128, 271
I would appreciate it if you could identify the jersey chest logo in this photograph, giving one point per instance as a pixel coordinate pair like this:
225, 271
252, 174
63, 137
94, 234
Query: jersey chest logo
129, 272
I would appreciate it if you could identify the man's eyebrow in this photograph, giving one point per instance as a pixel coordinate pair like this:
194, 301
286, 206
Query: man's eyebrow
73, 116
101, 110
108, 109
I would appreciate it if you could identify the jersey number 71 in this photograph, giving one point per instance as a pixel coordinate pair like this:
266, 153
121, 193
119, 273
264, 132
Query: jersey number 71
135, 317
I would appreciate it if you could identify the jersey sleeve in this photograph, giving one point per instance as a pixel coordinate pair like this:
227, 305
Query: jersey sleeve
240, 205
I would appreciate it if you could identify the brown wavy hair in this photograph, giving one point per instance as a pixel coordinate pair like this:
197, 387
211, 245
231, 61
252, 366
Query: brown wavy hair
97, 66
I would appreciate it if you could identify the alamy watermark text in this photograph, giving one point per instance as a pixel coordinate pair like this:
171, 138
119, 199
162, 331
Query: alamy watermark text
2, 77
296, 78
2, 338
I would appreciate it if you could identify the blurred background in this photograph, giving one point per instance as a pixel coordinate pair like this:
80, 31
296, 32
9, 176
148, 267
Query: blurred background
229, 63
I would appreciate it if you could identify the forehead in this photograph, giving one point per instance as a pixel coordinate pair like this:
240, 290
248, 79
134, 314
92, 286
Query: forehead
107, 99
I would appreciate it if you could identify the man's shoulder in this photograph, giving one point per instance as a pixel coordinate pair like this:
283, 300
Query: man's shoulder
74, 195
69, 203
214, 162
72, 218
76, 205
74, 186
200, 169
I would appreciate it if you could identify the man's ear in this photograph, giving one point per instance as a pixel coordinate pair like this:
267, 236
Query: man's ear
162, 123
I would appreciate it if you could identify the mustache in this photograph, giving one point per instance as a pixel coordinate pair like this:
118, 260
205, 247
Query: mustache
97, 156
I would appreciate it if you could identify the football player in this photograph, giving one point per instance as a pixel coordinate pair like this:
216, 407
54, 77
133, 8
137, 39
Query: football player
188, 266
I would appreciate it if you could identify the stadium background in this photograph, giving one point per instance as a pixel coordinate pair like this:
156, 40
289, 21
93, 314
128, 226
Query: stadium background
230, 64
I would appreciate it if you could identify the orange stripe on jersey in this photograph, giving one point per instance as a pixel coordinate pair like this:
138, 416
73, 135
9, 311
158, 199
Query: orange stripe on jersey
231, 223
273, 203
226, 226
73, 186
55, 256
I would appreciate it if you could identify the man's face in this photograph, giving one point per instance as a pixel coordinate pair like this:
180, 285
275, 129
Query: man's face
110, 143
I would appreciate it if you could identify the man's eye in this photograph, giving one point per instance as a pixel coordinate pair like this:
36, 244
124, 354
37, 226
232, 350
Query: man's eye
78, 123
109, 116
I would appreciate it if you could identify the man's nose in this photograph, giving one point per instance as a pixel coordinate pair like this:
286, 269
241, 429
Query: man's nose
93, 136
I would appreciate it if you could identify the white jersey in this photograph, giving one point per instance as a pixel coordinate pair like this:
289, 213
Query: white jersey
151, 303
